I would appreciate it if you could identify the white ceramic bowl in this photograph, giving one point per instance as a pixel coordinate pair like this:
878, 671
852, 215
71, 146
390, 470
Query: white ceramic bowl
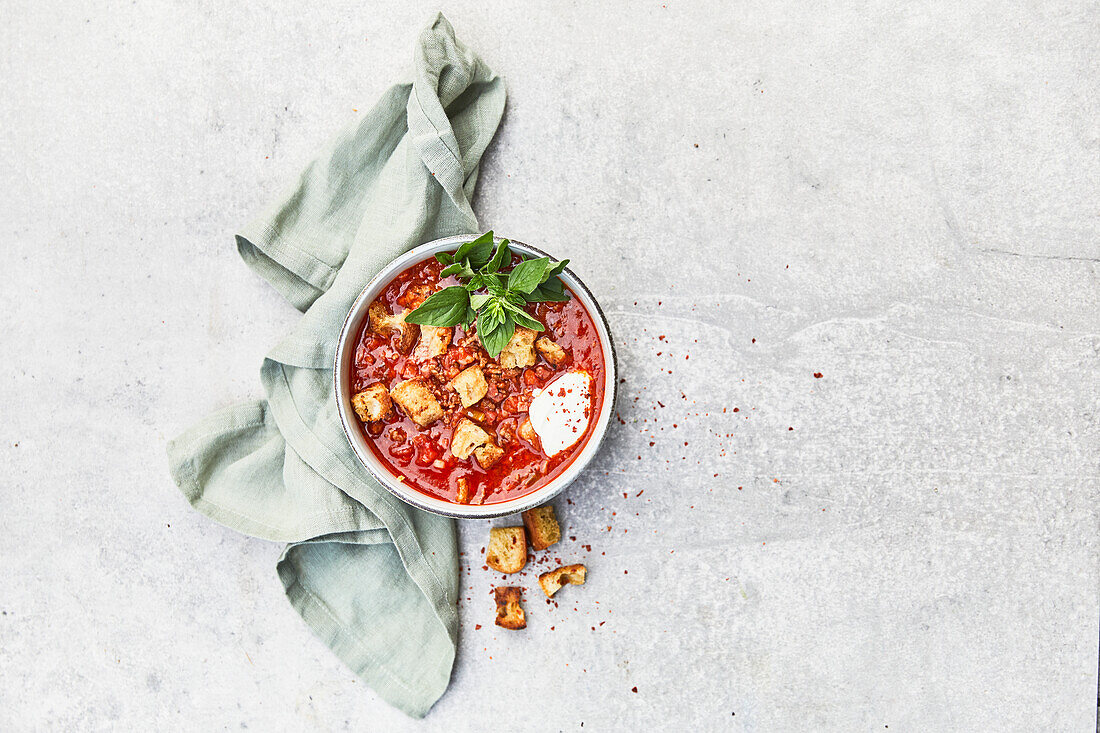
345, 351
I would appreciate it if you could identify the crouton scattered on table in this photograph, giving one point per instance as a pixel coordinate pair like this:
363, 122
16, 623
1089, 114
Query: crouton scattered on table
507, 551
553, 581
542, 526
509, 611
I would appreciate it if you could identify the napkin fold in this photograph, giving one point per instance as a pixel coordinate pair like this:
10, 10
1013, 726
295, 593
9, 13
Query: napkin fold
376, 579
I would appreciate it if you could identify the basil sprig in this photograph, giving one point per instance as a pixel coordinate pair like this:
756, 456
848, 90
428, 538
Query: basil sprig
488, 295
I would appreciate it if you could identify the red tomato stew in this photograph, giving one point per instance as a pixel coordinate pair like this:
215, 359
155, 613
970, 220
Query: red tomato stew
452, 422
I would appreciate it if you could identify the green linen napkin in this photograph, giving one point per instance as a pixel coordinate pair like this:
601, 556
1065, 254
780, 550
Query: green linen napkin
375, 579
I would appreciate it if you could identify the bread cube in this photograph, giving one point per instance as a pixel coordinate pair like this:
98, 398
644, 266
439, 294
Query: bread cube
373, 403
385, 324
434, 341
471, 385
467, 436
550, 351
507, 551
509, 611
542, 526
415, 295
553, 581
527, 432
462, 493
417, 401
487, 455
520, 350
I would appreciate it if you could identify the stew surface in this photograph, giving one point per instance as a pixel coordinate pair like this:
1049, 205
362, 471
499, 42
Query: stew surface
400, 364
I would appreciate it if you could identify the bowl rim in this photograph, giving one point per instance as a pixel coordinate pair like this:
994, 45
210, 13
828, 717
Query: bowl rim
341, 368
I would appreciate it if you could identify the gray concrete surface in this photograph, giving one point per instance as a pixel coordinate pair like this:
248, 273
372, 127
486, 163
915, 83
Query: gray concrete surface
902, 199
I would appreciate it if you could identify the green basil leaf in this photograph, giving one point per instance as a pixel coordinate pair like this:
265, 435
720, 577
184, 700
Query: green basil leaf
477, 300
463, 252
554, 286
490, 316
495, 339
546, 293
554, 270
527, 275
462, 270
479, 255
445, 308
494, 285
523, 318
500, 256
444, 258
470, 317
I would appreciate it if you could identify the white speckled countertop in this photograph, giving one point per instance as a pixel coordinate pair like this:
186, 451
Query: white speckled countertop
901, 200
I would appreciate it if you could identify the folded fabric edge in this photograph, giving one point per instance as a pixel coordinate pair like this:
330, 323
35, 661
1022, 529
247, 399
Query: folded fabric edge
279, 266
338, 473
435, 141
232, 421
183, 448
346, 645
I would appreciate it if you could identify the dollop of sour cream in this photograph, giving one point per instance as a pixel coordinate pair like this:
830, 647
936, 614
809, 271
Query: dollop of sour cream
560, 411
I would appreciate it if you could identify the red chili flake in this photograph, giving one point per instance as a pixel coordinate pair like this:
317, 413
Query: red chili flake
818, 375
477, 627
661, 337
737, 409
754, 341
651, 444
633, 689
639, 492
